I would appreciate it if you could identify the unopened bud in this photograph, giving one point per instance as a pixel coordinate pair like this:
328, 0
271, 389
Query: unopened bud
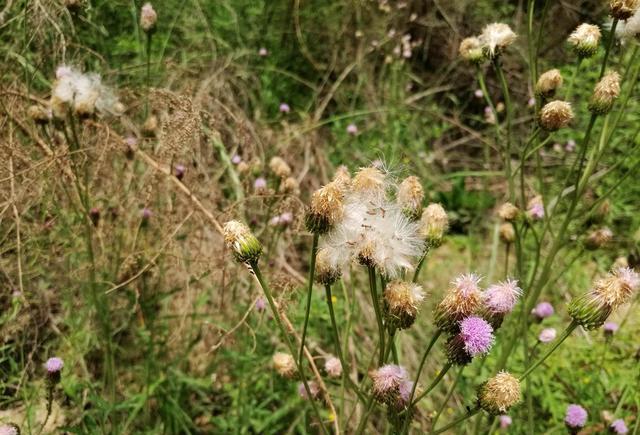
556, 115
605, 93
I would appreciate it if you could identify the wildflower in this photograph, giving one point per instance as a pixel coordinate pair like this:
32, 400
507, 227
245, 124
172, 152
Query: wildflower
236, 159
548, 83
401, 301
387, 381
507, 233
599, 238
40, 115
263, 52
461, 300
623, 9
505, 421
489, 116
326, 208
555, 115
180, 171
243, 167
585, 40
342, 178
629, 29
471, 50
404, 393
531, 102
499, 393
547, 335
327, 269
238, 237
372, 229
333, 367
570, 146
478, 93
260, 186
410, 196
94, 216
148, 18
261, 304
150, 126
84, 93
434, 224
610, 328
542, 311
592, 309
352, 129
145, 215
618, 427
9, 429
575, 418
495, 38
280, 167
284, 364
508, 212
54, 366
605, 93
535, 208
314, 389
475, 338
499, 300
284, 108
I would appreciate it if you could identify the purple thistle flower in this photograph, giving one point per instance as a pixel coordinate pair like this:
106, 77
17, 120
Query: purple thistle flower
284, 108
8, 429
619, 427
146, 214
54, 365
236, 159
576, 416
547, 335
404, 391
536, 211
352, 129
180, 170
531, 102
505, 421
477, 335
502, 297
388, 378
543, 310
261, 304
260, 183
313, 388
131, 141
610, 328
570, 146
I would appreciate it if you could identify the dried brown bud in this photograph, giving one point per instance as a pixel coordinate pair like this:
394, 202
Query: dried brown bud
548, 83
556, 115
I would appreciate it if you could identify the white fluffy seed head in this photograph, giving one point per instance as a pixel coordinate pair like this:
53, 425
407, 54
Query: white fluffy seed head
495, 38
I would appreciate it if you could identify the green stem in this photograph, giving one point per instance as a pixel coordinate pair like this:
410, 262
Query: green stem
457, 421
312, 270
612, 38
573, 325
148, 76
448, 396
376, 307
287, 339
509, 109
434, 384
576, 70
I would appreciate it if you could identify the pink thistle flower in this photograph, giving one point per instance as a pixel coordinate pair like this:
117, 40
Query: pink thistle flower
547, 335
180, 171
543, 310
610, 328
619, 427
576, 416
478, 93
570, 146
387, 380
352, 129
502, 297
333, 367
54, 364
313, 388
8, 429
284, 108
531, 102
505, 421
236, 159
263, 52
404, 392
63, 71
261, 304
477, 335
260, 183
146, 214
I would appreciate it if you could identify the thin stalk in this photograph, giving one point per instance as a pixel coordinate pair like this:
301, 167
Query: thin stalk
312, 271
416, 274
448, 396
148, 76
433, 384
336, 341
287, 339
509, 109
422, 361
457, 421
576, 70
376, 307
612, 38
573, 325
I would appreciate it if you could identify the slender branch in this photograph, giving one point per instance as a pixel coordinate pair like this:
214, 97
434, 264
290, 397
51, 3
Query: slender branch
312, 270
457, 421
573, 325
